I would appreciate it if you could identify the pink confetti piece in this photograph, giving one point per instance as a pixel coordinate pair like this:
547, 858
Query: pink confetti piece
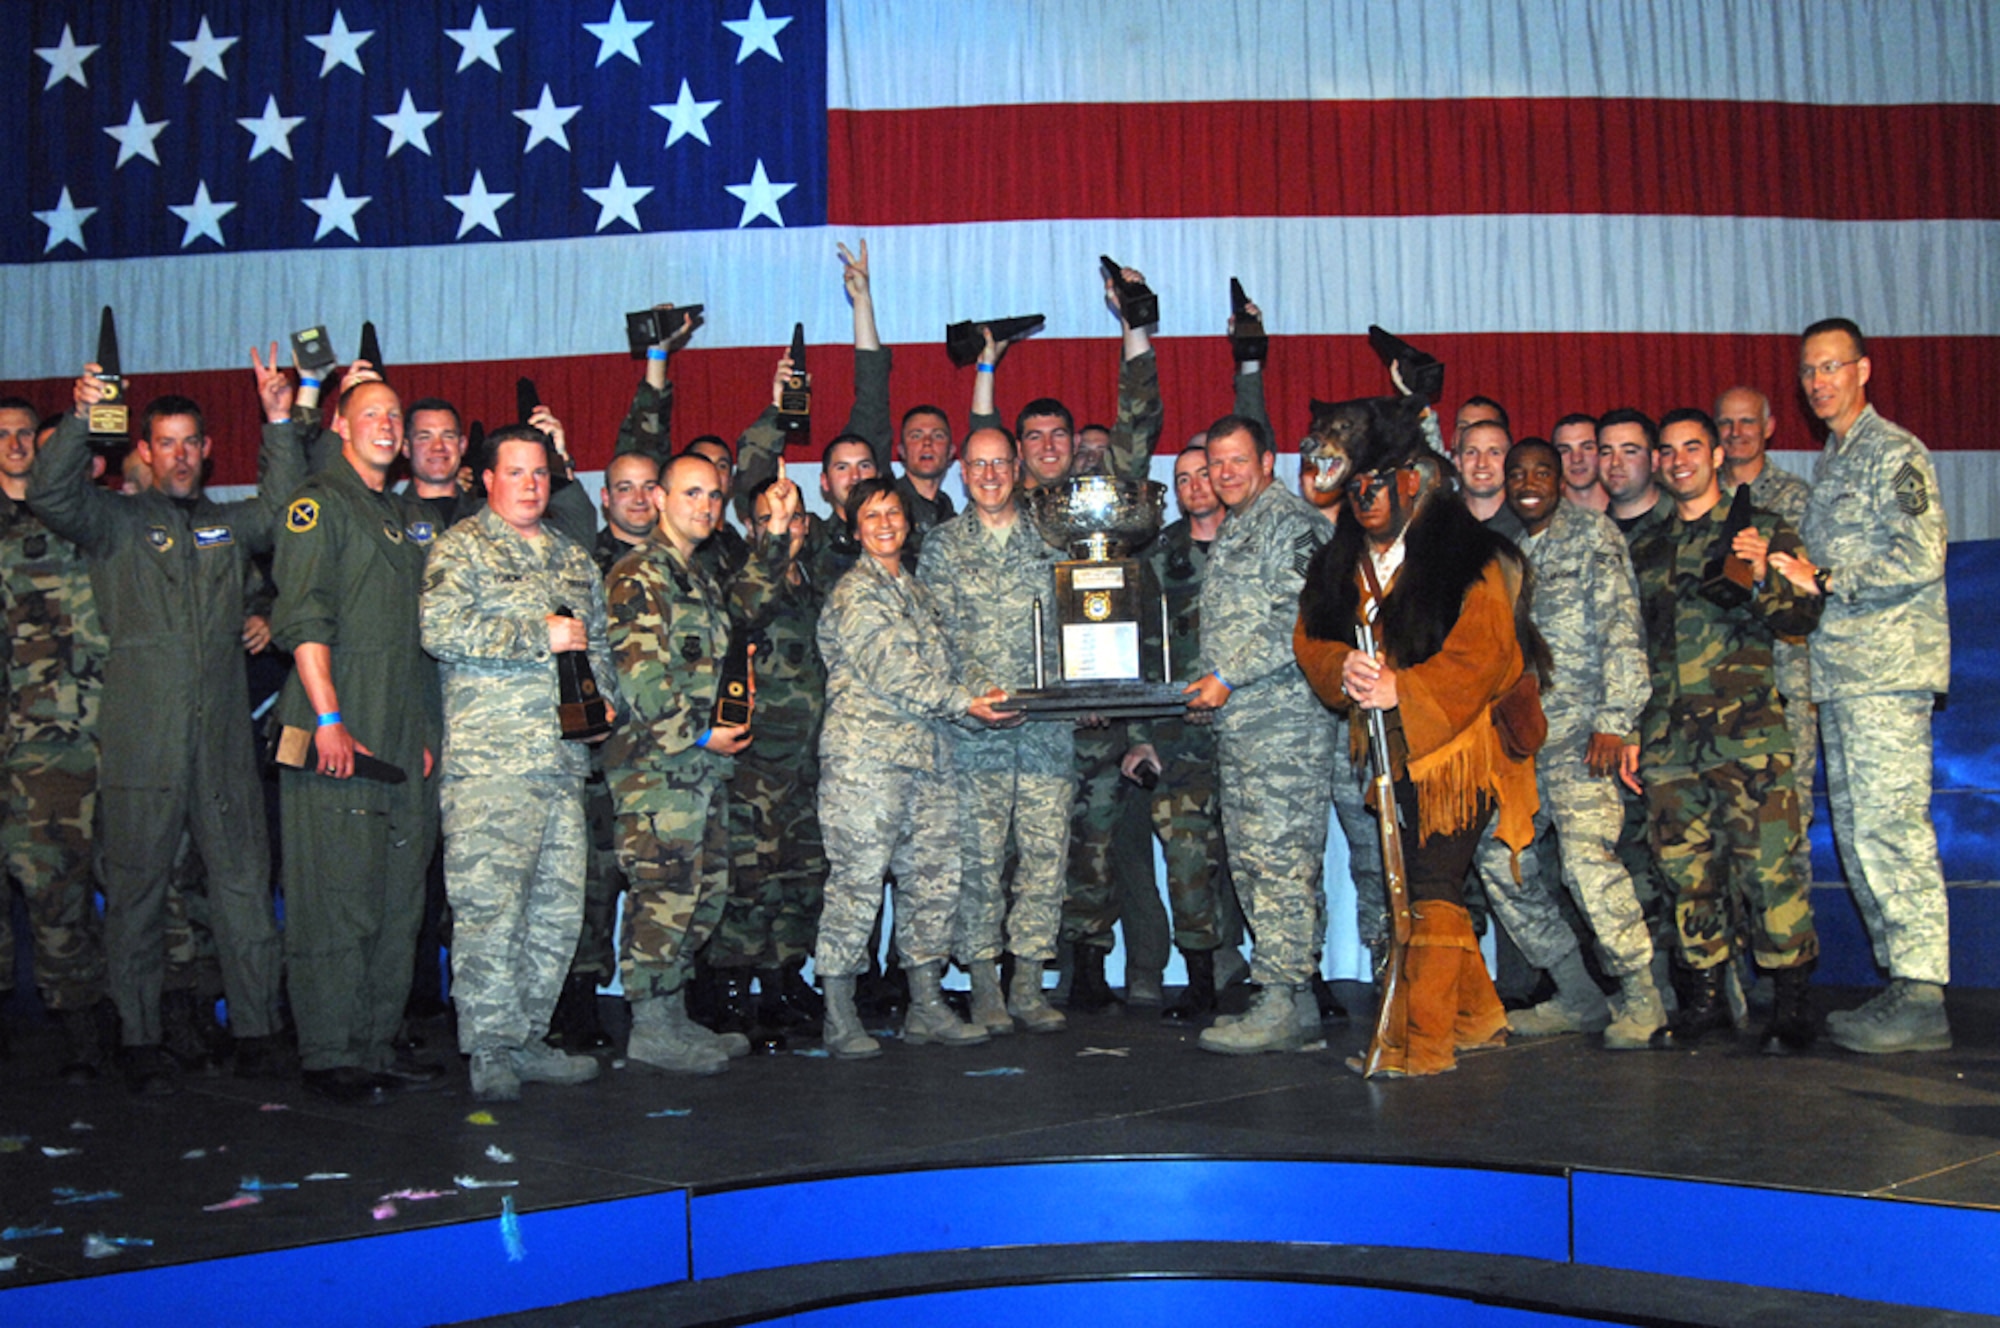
418, 1196
245, 1200
273, 1106
384, 1211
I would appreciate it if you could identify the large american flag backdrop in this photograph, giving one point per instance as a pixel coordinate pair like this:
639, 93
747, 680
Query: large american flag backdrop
1577, 203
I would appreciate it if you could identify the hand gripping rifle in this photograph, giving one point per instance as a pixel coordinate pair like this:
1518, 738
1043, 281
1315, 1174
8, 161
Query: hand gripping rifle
1395, 876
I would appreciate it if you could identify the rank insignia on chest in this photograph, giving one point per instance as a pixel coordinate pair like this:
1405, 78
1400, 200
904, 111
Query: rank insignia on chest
392, 530
302, 516
421, 532
213, 537
691, 648
160, 538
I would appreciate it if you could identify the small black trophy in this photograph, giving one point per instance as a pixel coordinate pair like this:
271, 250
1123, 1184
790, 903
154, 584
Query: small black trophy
579, 705
736, 686
371, 350
963, 341
1423, 373
313, 350
110, 419
1727, 580
1246, 332
795, 399
526, 399
655, 327
1136, 302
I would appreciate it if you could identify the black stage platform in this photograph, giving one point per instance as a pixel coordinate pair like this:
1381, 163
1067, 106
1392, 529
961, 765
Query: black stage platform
1551, 1175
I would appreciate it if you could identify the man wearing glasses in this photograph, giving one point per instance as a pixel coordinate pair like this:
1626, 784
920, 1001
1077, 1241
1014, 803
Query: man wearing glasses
1882, 652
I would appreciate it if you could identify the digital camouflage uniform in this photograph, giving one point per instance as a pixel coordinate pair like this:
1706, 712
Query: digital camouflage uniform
1586, 606
1715, 756
174, 733
779, 863
1779, 491
350, 569
1883, 649
510, 787
55, 683
1635, 832
1020, 780
1274, 740
669, 629
887, 798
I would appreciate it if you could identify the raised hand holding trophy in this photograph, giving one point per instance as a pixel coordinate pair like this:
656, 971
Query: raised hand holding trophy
110, 418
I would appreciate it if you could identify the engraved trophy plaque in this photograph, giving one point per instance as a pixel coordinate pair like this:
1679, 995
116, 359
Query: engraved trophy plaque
1101, 604
109, 417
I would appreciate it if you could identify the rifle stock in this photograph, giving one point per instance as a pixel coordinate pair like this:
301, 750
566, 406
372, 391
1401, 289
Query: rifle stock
1395, 877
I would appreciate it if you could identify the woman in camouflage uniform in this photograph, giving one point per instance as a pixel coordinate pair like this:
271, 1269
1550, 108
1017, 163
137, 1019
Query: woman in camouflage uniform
886, 798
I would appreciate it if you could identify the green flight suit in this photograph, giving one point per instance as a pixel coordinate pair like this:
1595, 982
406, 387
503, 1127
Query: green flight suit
350, 567
176, 751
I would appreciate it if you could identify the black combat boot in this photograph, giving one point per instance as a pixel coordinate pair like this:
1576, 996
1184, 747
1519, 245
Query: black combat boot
149, 1071
1089, 992
1791, 1028
773, 1011
575, 1025
181, 1025
1704, 1010
732, 1012
1197, 999
83, 1046
802, 999
1323, 997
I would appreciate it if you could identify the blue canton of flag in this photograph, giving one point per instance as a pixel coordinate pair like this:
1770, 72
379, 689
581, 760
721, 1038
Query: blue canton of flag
194, 126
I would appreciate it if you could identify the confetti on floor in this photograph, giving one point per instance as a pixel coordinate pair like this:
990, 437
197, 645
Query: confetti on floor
481, 1118
69, 1194
13, 1143
97, 1245
254, 1185
496, 1153
669, 1111
997, 1072
29, 1233
239, 1201
275, 1106
59, 1152
1106, 1051
79, 1126
328, 1175
473, 1183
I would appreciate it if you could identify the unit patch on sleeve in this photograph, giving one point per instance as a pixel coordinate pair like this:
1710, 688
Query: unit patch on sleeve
302, 515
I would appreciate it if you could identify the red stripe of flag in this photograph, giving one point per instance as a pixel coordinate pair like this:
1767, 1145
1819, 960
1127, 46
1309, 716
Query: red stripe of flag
1945, 389
1508, 156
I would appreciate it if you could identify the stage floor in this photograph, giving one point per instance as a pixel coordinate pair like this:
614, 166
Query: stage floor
1921, 1127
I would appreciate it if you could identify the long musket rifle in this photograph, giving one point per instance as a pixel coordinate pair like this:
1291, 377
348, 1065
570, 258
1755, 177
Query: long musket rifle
1395, 875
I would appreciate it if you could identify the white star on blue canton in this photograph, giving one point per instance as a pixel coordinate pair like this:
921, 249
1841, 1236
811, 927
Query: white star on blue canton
684, 115
760, 197
65, 222
203, 216
478, 44
66, 59
618, 35
272, 132
758, 33
337, 210
478, 207
340, 46
204, 52
545, 121
408, 126
618, 201
135, 137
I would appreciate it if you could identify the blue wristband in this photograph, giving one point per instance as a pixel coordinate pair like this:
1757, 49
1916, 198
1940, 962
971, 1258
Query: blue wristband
706, 734
986, 368
1224, 681
655, 353
308, 382
329, 718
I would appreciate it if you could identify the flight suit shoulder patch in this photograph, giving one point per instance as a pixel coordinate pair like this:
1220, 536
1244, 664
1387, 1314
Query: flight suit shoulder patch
302, 515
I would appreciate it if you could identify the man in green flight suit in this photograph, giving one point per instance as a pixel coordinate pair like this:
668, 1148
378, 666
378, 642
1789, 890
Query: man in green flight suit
350, 567
168, 568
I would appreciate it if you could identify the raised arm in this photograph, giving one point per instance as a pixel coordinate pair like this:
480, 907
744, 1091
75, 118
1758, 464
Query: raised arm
60, 490
1136, 435
648, 424
872, 363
